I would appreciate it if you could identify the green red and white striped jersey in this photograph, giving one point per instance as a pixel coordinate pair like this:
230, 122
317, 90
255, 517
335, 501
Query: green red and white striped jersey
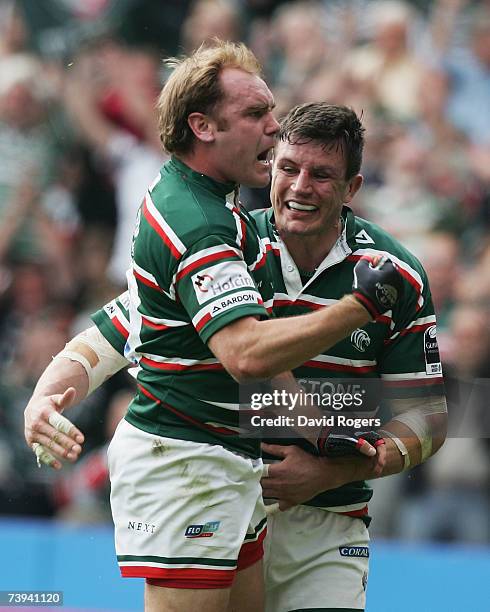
394, 349
194, 250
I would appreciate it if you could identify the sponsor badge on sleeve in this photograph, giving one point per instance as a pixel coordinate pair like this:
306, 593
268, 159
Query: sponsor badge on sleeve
431, 352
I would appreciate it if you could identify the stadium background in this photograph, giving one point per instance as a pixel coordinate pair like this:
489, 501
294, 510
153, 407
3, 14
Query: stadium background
78, 144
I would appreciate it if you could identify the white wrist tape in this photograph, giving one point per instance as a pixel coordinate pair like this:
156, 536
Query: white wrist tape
416, 421
97, 356
400, 446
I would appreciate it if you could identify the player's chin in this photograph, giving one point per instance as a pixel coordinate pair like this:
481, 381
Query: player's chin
300, 228
258, 174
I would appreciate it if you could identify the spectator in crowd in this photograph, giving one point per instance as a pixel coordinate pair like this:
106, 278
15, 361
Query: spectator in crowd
208, 19
403, 203
27, 149
467, 70
13, 30
475, 285
131, 146
386, 67
441, 256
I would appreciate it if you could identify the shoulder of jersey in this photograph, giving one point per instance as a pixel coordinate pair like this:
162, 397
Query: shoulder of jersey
190, 212
369, 236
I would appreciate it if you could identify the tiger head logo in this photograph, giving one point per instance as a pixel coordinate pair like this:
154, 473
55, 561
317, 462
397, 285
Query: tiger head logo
360, 339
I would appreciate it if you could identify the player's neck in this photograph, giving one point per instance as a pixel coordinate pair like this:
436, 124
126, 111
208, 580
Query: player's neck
308, 252
202, 163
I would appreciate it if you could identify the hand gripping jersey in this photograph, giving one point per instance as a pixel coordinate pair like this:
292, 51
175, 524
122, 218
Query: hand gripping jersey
193, 251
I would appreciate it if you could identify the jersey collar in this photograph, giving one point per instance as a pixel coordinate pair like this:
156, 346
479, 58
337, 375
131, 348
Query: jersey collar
344, 246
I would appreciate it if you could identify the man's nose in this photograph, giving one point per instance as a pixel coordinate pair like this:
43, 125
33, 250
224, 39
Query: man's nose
272, 125
302, 182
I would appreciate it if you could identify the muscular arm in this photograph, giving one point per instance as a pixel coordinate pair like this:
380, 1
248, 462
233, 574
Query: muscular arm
254, 350
419, 441
301, 476
436, 425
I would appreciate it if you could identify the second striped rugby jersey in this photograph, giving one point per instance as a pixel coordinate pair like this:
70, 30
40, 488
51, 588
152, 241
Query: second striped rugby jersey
394, 349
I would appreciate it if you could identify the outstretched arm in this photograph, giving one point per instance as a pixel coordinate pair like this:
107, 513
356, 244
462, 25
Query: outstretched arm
83, 365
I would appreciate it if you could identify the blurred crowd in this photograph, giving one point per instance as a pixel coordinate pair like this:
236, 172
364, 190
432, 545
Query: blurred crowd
79, 145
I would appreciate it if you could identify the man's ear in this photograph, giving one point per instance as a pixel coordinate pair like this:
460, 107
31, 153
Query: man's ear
202, 126
352, 188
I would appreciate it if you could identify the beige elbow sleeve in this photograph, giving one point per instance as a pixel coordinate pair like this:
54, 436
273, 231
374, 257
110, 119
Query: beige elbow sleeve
415, 418
97, 356
416, 421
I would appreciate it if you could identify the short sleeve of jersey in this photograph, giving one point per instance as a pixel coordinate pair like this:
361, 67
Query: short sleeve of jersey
112, 321
410, 365
215, 287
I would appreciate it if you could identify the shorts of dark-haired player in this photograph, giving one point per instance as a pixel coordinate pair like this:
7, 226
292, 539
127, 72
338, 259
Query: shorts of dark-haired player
315, 559
186, 515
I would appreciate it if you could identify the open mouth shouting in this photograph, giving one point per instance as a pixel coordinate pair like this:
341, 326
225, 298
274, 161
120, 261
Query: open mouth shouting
265, 157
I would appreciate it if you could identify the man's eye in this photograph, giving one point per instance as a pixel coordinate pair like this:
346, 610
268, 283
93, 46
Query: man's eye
288, 169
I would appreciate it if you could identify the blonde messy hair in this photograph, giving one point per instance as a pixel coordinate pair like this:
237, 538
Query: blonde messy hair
194, 86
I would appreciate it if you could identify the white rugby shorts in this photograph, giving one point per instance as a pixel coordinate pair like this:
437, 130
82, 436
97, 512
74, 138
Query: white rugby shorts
315, 559
186, 514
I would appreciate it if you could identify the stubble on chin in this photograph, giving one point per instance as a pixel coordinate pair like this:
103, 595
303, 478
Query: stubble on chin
294, 229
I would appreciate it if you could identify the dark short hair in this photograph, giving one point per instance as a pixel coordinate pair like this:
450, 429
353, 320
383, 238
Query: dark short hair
328, 125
